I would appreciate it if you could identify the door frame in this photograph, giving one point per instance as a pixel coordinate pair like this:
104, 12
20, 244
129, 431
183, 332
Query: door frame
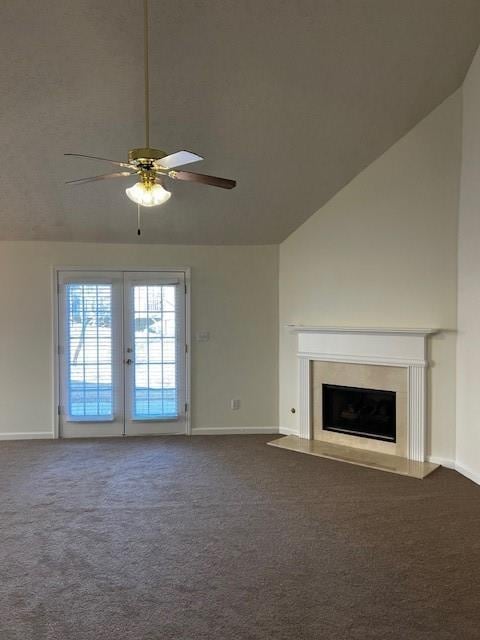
56, 335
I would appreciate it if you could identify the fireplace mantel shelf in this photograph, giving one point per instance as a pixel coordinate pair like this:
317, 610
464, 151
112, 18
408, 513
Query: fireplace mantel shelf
303, 328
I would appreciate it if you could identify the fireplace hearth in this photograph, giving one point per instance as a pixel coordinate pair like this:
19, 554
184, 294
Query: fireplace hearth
368, 413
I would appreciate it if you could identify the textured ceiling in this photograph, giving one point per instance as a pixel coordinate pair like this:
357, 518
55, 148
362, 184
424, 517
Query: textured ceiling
292, 98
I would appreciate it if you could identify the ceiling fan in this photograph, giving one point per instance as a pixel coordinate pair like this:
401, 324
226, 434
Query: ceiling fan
151, 165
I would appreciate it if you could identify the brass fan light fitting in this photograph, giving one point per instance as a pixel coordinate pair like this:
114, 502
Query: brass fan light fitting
149, 192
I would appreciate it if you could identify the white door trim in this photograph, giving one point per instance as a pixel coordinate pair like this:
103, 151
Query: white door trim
55, 333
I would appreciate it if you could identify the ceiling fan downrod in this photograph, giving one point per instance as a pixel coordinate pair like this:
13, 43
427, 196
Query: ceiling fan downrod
146, 73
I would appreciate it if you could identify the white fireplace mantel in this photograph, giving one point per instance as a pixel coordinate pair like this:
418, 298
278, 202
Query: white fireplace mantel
343, 329
400, 347
305, 328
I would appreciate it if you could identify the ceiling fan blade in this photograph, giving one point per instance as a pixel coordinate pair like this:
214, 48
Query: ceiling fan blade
224, 183
105, 176
117, 162
177, 159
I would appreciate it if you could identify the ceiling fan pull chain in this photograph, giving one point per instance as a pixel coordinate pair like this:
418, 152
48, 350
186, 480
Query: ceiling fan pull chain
139, 231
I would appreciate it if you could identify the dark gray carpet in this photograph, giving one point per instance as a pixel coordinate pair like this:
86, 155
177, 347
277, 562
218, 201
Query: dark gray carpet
219, 538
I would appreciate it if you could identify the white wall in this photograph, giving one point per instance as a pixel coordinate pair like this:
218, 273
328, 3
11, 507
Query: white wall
468, 353
234, 296
382, 252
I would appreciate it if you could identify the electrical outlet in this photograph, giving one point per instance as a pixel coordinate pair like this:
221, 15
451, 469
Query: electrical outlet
235, 405
203, 336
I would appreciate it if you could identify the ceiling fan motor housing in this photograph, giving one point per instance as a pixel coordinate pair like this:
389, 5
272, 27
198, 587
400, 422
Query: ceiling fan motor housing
145, 156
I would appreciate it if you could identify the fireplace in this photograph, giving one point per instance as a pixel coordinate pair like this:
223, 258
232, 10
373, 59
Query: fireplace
393, 359
368, 413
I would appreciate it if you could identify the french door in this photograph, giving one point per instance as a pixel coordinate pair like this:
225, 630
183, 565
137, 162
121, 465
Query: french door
122, 353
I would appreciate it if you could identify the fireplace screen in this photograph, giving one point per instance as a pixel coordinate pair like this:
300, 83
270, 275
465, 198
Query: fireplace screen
369, 413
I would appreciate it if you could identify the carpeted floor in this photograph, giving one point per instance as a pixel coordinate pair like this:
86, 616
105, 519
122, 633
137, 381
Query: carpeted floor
218, 538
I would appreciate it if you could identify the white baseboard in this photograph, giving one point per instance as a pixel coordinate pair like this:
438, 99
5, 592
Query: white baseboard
219, 431
23, 435
286, 431
456, 466
474, 476
444, 462
203, 431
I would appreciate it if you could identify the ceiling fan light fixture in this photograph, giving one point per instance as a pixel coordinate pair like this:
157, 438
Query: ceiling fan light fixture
148, 195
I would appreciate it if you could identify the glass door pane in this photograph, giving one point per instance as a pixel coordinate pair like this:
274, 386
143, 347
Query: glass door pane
155, 353
155, 380
90, 334
89, 347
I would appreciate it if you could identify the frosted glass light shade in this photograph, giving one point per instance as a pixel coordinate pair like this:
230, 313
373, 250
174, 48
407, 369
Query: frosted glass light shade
148, 196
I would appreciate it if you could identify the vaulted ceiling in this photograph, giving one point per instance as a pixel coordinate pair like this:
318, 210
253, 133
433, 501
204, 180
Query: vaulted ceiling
292, 98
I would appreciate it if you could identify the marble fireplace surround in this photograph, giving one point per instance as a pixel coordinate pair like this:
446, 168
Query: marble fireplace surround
393, 347
366, 376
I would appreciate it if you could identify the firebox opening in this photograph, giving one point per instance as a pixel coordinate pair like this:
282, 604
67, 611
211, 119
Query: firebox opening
369, 413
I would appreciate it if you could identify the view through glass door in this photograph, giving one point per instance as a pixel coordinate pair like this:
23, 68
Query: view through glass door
122, 353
